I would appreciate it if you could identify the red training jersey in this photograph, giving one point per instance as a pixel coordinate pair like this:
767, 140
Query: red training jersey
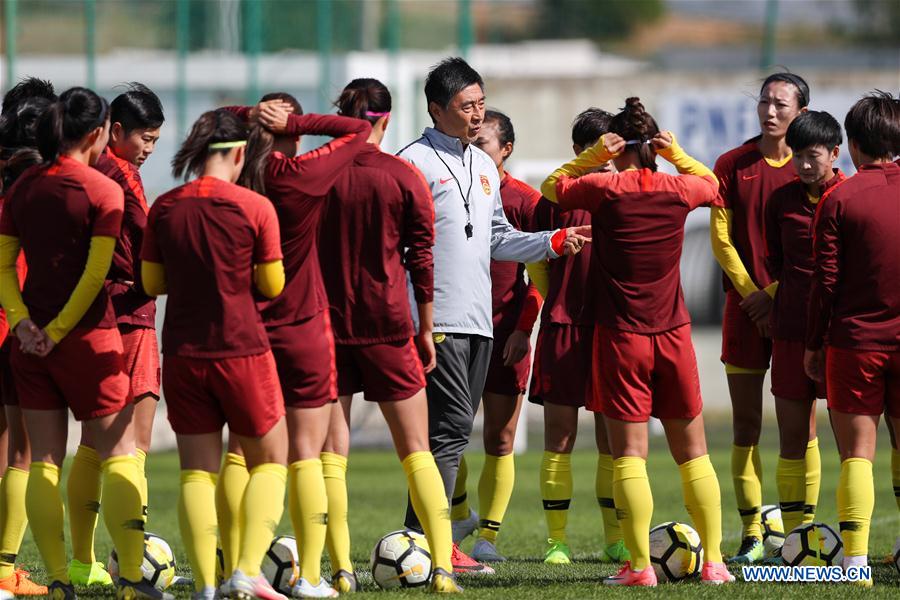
789, 258
55, 211
379, 223
746, 181
637, 219
208, 234
132, 305
509, 291
854, 302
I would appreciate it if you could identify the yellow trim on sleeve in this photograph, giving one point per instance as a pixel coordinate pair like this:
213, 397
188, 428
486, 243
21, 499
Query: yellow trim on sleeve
771, 289
10, 294
269, 278
683, 162
153, 278
725, 252
89, 285
539, 275
582, 164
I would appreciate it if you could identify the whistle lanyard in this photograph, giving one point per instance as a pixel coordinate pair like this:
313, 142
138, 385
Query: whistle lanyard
465, 197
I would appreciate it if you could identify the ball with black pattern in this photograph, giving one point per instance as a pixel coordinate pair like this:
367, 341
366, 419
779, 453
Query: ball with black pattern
157, 566
401, 559
281, 564
675, 551
812, 545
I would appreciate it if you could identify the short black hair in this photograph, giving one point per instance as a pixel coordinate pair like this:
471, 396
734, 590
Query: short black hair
30, 87
814, 128
507, 135
448, 78
589, 126
793, 79
874, 124
138, 108
18, 126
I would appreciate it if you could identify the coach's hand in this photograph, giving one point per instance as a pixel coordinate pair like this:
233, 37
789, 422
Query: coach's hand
425, 344
757, 305
576, 238
517, 346
814, 364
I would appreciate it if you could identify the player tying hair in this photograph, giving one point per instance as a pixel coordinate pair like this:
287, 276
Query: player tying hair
515, 307
67, 217
747, 177
378, 225
643, 358
135, 118
298, 322
854, 303
207, 244
22, 108
814, 139
563, 365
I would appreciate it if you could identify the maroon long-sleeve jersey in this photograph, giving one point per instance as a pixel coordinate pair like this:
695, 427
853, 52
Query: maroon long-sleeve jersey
378, 223
854, 302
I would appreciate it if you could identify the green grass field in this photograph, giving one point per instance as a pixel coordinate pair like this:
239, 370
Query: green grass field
378, 499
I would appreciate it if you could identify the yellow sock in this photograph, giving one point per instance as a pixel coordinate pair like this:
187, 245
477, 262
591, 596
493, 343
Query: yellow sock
813, 470
459, 504
337, 537
197, 522
855, 502
309, 513
703, 501
895, 474
261, 511
230, 487
746, 472
123, 515
603, 487
634, 505
495, 487
45, 510
426, 492
83, 495
790, 477
556, 492
140, 457
13, 520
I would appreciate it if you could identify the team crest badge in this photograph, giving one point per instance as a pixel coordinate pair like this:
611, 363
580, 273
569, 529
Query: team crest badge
486, 185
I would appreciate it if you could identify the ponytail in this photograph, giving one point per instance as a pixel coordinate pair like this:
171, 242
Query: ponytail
214, 126
364, 98
635, 124
259, 147
67, 121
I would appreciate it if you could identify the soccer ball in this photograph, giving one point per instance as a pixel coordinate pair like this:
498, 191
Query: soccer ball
280, 564
158, 566
773, 529
401, 559
896, 555
675, 551
812, 545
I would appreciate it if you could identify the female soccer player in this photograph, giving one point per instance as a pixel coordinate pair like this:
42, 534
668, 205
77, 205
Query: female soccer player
207, 244
855, 302
563, 365
379, 224
643, 357
814, 139
66, 216
747, 177
135, 118
298, 322
515, 309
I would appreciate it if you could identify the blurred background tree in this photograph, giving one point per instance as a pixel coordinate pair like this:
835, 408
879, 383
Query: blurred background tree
598, 21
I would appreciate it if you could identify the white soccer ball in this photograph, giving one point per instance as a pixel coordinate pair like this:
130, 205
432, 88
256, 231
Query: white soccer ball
813, 545
675, 551
401, 559
281, 565
896, 555
773, 529
158, 566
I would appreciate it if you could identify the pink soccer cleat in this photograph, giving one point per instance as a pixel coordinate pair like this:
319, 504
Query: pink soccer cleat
627, 576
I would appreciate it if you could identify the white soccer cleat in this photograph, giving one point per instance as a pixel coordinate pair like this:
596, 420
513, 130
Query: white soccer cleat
486, 552
304, 589
243, 587
464, 528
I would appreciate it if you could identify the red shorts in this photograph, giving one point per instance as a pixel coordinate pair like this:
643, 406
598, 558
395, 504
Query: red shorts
503, 380
203, 394
8, 395
637, 376
304, 353
742, 346
141, 361
562, 365
383, 372
789, 380
85, 372
863, 382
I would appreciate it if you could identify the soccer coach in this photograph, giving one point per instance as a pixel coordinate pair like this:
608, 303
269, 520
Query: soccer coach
470, 230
